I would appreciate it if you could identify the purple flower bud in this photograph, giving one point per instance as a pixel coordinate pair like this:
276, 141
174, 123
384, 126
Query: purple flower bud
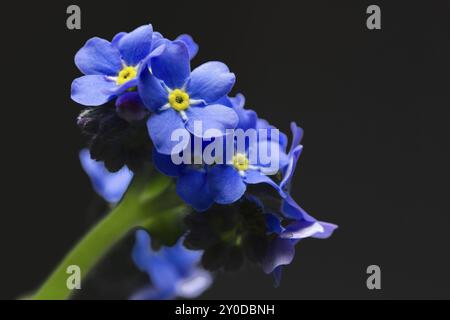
130, 107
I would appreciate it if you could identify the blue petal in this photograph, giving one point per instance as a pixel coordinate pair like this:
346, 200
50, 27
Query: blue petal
267, 154
263, 124
238, 101
165, 164
136, 45
151, 91
190, 44
98, 56
193, 188
110, 186
194, 285
172, 65
247, 118
292, 210
328, 229
156, 37
162, 273
161, 126
210, 81
279, 253
225, 184
159, 42
92, 90
116, 38
290, 167
225, 101
184, 259
142, 251
302, 229
256, 177
273, 223
297, 135
214, 117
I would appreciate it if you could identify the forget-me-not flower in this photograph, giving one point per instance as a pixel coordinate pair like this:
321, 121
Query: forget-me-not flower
179, 98
110, 68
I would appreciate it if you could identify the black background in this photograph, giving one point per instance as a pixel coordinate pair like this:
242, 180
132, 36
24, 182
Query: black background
374, 106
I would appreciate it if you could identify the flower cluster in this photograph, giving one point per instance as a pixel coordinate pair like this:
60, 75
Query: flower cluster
145, 106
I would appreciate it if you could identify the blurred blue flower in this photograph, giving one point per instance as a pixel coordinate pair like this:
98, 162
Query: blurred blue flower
110, 186
180, 99
173, 271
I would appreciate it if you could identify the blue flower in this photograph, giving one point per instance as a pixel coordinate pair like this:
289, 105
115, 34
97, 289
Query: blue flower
110, 186
173, 271
179, 98
228, 182
110, 68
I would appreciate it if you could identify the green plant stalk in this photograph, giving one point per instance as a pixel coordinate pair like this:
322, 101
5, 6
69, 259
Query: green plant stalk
143, 202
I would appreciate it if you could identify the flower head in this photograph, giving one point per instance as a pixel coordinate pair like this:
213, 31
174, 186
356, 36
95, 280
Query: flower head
110, 68
179, 97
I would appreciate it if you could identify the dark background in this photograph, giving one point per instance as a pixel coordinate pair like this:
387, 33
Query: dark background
374, 106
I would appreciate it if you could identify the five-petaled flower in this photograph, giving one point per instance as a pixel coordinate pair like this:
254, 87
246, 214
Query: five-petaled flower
110, 68
179, 98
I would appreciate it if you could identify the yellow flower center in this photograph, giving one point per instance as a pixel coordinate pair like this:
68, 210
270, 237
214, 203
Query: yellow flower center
126, 74
240, 162
179, 99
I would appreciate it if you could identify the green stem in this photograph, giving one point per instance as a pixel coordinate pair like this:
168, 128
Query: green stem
143, 201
